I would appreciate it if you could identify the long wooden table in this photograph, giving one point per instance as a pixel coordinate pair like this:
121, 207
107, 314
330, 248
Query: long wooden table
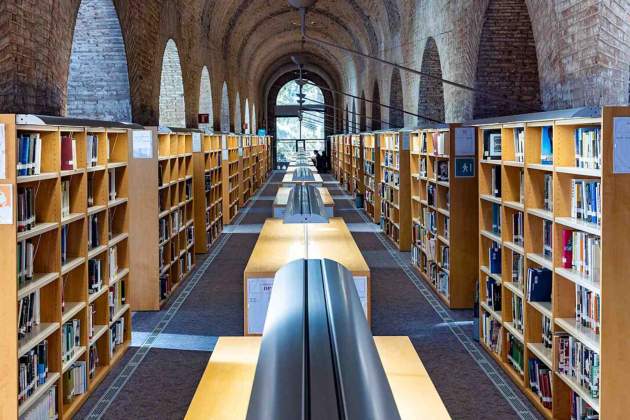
288, 181
279, 244
282, 198
225, 387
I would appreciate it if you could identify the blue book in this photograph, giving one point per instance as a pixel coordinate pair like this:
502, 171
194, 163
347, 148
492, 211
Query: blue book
539, 285
495, 259
546, 146
23, 155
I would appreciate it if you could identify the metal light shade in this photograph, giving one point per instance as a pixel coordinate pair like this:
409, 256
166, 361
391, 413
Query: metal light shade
305, 204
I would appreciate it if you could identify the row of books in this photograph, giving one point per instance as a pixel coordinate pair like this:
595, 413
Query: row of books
422, 166
29, 159
70, 338
577, 361
92, 150
587, 308
116, 298
26, 214
391, 159
588, 147
519, 144
95, 278
586, 200
75, 381
495, 181
540, 381
518, 269
93, 231
429, 218
493, 294
581, 252
32, 370
494, 258
117, 336
548, 192
492, 147
547, 239
518, 228
388, 193
515, 354
391, 177
29, 314
45, 408
94, 359
547, 332
65, 198
581, 410
491, 333
431, 195
442, 170
517, 313
25, 262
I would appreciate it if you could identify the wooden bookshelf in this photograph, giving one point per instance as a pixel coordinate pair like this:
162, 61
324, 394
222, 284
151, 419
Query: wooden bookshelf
231, 163
162, 217
443, 217
208, 192
60, 278
395, 187
346, 164
358, 186
335, 147
371, 176
610, 343
246, 174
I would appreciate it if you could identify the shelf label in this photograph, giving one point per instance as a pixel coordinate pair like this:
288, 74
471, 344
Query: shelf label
464, 141
465, 167
6, 204
142, 144
360, 282
3, 156
196, 146
621, 148
258, 295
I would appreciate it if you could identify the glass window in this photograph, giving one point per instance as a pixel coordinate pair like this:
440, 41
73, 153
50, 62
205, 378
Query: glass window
312, 127
288, 94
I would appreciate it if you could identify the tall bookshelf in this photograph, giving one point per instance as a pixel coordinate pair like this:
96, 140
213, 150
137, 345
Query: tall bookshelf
208, 192
395, 187
256, 155
53, 252
335, 161
547, 326
371, 176
161, 225
443, 216
346, 167
230, 161
245, 170
357, 165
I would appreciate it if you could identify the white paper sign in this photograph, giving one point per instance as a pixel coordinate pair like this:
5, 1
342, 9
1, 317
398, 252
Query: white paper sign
360, 282
621, 141
3, 156
258, 295
6, 204
196, 146
142, 144
464, 141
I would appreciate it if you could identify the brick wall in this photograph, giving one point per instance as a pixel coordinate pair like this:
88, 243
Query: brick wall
98, 84
225, 109
205, 98
172, 105
431, 91
396, 116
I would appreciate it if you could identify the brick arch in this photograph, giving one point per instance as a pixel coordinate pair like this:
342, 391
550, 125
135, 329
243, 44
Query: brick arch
98, 82
225, 109
396, 116
431, 91
363, 114
376, 107
507, 47
205, 98
172, 103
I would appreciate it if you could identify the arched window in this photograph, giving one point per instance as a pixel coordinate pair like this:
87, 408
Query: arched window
98, 82
225, 109
295, 133
172, 105
205, 98
238, 122
396, 115
431, 95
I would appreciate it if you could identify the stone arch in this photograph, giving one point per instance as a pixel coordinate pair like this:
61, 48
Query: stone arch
507, 64
376, 107
362, 112
98, 81
431, 91
225, 109
248, 121
172, 104
238, 123
396, 116
205, 98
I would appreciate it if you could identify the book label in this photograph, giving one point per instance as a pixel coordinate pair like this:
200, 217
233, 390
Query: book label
196, 142
142, 144
6, 204
464, 141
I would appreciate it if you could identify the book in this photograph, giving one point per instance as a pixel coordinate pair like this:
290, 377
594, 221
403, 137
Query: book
538, 285
515, 353
92, 150
540, 381
518, 269
588, 147
29, 159
496, 181
519, 144
25, 261
492, 333
517, 312
587, 308
547, 239
496, 218
442, 170
492, 144
32, 370
65, 198
518, 226
68, 153
578, 361
64, 244
26, 216
548, 192
494, 258
493, 294
586, 200
546, 145
112, 184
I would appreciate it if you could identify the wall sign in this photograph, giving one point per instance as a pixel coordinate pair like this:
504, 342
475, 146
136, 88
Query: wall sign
621, 148
142, 144
465, 167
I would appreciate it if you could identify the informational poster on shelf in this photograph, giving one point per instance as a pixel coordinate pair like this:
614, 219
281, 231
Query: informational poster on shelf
142, 144
3, 154
258, 295
6, 204
464, 141
196, 146
360, 282
621, 145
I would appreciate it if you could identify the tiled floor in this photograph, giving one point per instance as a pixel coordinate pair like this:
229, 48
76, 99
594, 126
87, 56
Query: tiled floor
157, 381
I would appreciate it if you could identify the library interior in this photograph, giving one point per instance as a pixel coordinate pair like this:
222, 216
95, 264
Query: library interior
245, 209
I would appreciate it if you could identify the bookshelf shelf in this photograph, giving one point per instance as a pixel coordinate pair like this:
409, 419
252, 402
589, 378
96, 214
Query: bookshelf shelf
371, 175
230, 172
357, 165
438, 239
561, 160
51, 380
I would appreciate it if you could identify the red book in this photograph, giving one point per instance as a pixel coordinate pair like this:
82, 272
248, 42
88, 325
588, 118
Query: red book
567, 248
67, 163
